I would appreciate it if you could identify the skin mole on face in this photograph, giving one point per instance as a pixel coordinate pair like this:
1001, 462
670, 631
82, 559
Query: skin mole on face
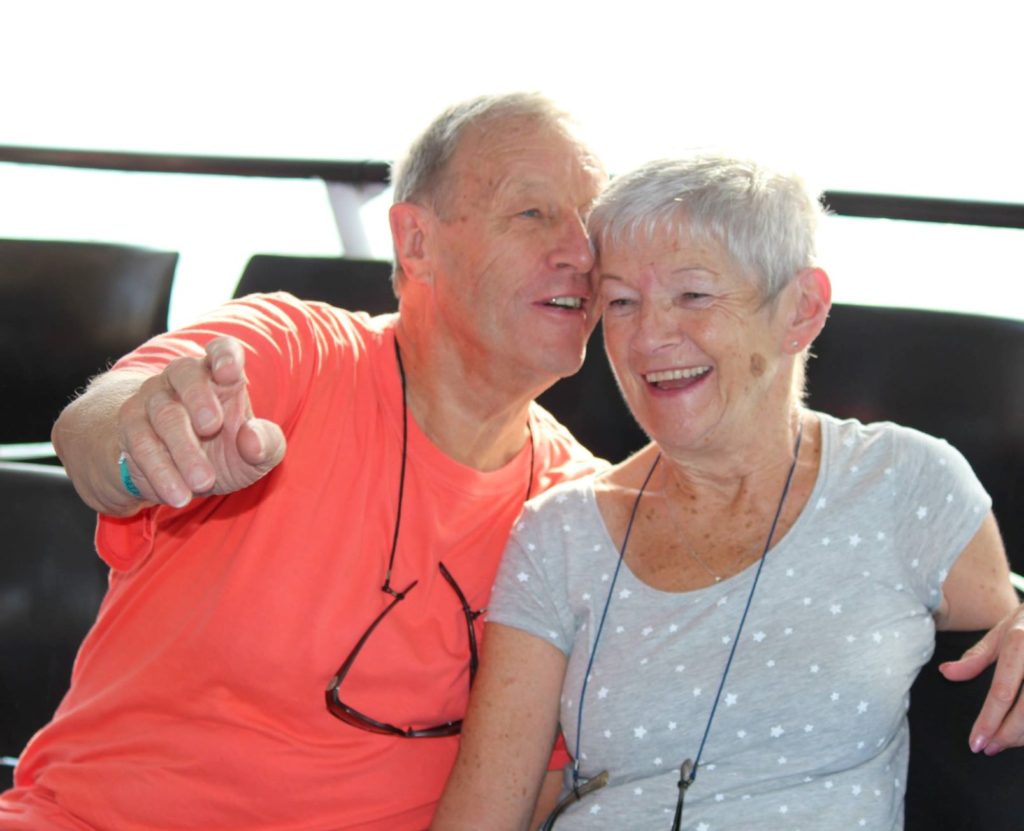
757, 364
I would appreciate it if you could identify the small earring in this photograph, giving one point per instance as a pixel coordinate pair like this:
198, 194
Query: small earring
795, 344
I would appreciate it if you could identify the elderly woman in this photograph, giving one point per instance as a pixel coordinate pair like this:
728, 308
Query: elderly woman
727, 624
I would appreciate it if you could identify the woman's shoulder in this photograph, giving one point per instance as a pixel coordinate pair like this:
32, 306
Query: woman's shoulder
850, 441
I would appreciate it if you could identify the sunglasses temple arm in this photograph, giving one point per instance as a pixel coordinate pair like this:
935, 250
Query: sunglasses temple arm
575, 795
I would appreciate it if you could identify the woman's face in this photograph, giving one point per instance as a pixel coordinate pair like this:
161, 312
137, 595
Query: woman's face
698, 355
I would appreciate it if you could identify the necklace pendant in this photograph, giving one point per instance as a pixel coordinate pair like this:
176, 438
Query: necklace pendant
686, 777
718, 579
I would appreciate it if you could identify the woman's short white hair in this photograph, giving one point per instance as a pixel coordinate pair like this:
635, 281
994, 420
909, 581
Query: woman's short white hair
767, 221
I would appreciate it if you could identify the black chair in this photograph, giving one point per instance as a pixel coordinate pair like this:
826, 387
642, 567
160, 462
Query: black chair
68, 309
51, 585
590, 405
948, 787
359, 285
956, 376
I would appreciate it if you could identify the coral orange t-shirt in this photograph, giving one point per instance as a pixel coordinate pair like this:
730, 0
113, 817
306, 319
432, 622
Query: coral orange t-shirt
197, 699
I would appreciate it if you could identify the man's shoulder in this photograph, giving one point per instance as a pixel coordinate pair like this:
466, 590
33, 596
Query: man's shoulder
283, 310
562, 457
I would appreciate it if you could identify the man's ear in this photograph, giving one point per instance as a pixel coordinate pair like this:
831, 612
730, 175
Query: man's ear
410, 230
810, 309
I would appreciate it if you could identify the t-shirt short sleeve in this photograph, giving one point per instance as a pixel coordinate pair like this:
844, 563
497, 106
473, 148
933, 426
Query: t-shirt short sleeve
530, 591
939, 506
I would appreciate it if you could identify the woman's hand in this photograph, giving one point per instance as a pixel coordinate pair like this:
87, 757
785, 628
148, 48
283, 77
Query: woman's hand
1001, 722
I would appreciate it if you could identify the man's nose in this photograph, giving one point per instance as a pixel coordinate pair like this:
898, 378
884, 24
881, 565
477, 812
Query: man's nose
573, 248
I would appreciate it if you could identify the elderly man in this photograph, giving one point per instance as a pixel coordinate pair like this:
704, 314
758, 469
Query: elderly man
303, 510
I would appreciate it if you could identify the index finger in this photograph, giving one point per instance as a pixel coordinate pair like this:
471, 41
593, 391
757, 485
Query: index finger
226, 359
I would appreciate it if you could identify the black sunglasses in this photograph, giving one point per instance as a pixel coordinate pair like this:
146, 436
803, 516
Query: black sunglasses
348, 714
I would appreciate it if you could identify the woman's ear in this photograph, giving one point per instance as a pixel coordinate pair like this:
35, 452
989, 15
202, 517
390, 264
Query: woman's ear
410, 234
810, 311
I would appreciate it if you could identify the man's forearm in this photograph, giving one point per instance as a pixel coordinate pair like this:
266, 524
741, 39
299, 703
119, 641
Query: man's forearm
85, 437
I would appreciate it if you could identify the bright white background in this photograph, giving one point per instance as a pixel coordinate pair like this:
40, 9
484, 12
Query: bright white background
895, 97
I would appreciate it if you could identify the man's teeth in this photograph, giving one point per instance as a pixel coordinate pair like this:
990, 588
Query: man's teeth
566, 302
676, 374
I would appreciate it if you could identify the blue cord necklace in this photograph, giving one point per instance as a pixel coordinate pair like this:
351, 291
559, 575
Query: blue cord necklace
688, 769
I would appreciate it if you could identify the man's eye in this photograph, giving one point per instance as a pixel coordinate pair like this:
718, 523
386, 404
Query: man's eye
533, 213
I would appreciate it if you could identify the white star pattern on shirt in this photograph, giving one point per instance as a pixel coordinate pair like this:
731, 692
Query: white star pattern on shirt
798, 617
595, 809
523, 577
702, 826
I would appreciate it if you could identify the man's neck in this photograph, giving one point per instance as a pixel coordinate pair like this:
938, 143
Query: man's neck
464, 406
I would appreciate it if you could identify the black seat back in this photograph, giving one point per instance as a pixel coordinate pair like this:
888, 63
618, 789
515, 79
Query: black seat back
51, 585
358, 285
67, 310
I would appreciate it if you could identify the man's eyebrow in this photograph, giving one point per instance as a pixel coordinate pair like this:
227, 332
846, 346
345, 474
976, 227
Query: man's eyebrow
604, 275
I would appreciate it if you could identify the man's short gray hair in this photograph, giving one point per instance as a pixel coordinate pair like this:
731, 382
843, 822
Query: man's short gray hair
767, 221
423, 175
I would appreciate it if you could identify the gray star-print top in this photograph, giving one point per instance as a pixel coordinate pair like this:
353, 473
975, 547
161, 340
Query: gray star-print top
810, 731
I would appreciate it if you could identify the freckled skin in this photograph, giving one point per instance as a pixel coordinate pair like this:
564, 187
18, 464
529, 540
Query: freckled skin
757, 364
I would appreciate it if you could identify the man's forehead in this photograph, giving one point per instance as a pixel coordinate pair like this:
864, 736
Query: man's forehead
528, 157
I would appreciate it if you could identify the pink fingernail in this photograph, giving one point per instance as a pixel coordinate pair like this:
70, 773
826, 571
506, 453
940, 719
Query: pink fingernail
978, 743
993, 749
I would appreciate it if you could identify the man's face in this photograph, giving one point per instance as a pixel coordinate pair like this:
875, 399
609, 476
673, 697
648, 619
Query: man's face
513, 281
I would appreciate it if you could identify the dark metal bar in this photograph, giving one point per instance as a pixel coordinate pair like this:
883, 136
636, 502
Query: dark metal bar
922, 209
330, 171
844, 203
